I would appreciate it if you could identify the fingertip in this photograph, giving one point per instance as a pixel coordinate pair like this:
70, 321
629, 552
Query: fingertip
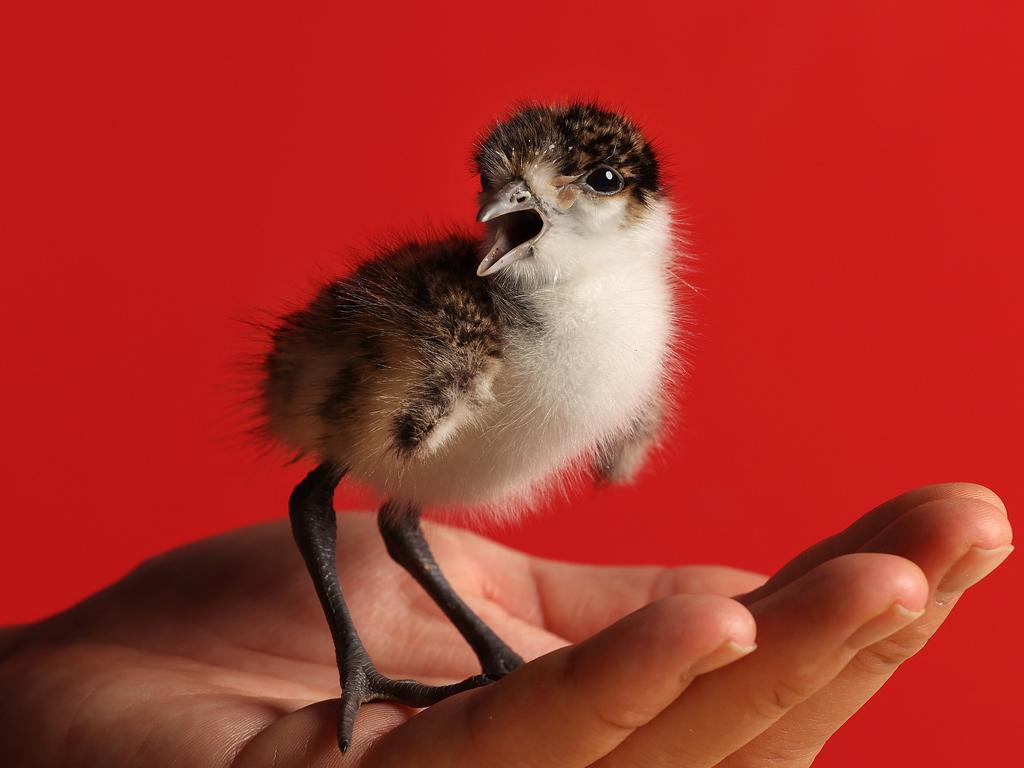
725, 654
634, 669
740, 624
973, 519
729, 619
685, 625
870, 582
970, 569
958, 491
672, 639
939, 533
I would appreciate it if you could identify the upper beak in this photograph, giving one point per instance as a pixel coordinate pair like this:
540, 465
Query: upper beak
517, 234
515, 196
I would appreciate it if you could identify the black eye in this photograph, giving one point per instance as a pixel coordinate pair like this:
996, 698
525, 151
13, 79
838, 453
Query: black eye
604, 180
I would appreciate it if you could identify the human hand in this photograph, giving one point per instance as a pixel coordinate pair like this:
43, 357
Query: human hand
217, 653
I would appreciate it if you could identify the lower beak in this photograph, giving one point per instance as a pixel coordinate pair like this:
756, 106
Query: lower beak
518, 224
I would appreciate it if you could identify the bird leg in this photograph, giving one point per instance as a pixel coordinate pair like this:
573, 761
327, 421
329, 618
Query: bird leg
314, 526
404, 539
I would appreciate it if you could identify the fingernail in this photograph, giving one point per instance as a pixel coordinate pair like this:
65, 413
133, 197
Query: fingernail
970, 569
726, 653
883, 625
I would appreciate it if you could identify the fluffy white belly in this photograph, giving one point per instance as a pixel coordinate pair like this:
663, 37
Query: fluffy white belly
576, 379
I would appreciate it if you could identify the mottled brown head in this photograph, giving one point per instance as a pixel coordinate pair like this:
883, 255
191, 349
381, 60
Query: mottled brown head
576, 139
560, 182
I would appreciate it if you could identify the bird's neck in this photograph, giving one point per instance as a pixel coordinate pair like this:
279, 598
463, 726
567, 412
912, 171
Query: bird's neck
642, 250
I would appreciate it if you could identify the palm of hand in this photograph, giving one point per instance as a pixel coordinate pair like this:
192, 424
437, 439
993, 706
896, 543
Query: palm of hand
218, 652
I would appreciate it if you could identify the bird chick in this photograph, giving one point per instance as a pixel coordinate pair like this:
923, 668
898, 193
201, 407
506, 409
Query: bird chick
480, 374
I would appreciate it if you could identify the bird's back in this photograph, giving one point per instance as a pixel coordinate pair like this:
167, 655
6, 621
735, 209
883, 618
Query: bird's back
369, 367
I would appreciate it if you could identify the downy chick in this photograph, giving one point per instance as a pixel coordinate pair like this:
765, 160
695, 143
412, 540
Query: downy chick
479, 375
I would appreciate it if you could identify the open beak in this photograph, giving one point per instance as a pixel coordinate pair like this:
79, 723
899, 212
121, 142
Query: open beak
518, 224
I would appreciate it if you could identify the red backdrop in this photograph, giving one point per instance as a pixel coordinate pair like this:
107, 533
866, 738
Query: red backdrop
850, 178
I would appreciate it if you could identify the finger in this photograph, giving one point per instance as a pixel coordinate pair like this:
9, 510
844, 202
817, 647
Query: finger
807, 632
956, 543
574, 705
853, 538
576, 601
307, 738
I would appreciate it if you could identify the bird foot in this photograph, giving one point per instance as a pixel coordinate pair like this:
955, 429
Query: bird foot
362, 683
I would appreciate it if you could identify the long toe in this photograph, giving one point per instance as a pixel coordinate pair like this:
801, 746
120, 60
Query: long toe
415, 694
353, 693
363, 683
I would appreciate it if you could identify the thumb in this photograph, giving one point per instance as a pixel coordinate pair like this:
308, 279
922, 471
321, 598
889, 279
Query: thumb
575, 705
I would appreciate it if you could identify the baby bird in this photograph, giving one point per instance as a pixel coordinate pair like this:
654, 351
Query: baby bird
481, 374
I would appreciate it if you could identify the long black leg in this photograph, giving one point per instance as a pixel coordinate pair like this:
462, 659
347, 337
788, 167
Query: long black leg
314, 526
403, 536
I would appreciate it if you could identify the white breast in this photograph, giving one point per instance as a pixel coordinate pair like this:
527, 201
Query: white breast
595, 355
598, 359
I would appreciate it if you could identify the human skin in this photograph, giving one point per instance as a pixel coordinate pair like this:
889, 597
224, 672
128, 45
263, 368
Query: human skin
217, 654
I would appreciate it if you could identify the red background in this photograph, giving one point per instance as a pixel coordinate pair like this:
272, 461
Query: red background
850, 178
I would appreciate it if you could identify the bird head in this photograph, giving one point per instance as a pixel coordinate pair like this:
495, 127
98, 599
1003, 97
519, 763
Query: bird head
564, 187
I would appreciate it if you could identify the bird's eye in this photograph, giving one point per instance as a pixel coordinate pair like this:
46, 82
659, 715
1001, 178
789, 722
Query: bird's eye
604, 180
